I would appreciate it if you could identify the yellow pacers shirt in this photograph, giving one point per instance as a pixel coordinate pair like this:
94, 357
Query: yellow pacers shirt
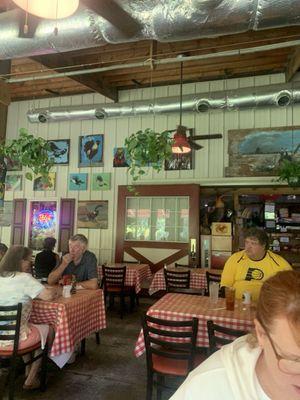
248, 275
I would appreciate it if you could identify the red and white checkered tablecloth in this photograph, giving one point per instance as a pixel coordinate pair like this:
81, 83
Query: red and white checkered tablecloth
72, 318
174, 306
197, 280
135, 274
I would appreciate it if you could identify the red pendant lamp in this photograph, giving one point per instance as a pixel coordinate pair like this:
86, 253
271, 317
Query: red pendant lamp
180, 144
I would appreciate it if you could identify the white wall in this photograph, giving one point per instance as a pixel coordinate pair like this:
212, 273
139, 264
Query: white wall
209, 162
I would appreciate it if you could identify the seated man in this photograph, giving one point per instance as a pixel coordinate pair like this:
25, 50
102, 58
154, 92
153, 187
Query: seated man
79, 262
247, 270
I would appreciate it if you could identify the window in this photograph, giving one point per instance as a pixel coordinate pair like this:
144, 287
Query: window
157, 219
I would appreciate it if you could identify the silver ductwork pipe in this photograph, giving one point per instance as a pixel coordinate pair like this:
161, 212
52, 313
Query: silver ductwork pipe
162, 21
265, 96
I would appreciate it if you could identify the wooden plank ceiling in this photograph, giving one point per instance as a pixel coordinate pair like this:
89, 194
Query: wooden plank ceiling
108, 83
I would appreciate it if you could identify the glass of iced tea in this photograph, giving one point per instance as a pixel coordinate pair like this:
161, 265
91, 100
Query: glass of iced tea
230, 298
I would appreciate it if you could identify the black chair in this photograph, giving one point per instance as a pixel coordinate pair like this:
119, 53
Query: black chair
114, 285
183, 266
166, 357
195, 292
176, 279
216, 335
211, 277
10, 319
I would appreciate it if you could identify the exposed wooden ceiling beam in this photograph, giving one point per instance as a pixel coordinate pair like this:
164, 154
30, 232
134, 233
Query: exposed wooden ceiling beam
293, 65
114, 14
94, 82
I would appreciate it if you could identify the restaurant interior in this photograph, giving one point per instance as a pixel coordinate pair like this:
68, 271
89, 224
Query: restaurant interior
223, 81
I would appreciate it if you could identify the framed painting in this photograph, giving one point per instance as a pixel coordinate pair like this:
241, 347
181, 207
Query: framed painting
259, 151
101, 181
12, 165
180, 162
120, 158
92, 214
60, 151
91, 151
13, 182
6, 214
78, 181
39, 185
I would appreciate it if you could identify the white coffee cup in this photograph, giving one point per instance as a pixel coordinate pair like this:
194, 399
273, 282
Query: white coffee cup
246, 298
67, 291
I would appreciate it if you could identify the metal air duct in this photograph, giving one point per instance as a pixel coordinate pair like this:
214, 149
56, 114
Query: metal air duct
171, 20
264, 96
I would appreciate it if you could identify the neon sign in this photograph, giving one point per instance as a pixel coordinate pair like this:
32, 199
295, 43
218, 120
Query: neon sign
43, 219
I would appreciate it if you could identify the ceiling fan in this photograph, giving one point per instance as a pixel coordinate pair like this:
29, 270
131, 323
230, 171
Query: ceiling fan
182, 142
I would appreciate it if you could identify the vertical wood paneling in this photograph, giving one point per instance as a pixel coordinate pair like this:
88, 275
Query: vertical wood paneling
209, 162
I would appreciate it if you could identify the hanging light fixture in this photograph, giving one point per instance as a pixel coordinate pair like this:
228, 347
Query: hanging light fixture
49, 9
180, 144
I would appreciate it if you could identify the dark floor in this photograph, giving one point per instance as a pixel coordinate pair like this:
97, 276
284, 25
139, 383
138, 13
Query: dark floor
109, 371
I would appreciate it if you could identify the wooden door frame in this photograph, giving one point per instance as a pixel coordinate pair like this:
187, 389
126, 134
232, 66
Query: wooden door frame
190, 190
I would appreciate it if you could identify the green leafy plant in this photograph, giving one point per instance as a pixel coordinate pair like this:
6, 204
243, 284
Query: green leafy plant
147, 148
289, 171
29, 151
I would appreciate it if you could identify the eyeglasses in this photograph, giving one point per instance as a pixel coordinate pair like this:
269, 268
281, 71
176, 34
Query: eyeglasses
286, 365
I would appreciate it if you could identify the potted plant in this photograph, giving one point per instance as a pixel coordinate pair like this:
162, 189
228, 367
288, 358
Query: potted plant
147, 148
289, 171
29, 151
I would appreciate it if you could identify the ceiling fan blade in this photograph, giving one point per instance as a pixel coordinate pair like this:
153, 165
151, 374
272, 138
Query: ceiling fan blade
208, 137
195, 146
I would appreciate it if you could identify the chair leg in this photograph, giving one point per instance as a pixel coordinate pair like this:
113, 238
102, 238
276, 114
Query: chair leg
132, 301
137, 299
160, 382
149, 386
97, 337
122, 306
82, 347
44, 368
12, 376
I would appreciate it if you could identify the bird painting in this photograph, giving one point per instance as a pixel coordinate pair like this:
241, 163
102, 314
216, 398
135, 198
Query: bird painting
91, 150
78, 181
101, 181
92, 214
59, 151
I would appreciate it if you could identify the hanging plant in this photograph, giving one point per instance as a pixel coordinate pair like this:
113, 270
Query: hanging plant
147, 148
289, 172
29, 151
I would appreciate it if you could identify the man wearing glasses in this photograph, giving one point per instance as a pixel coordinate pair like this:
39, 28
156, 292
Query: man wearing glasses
264, 365
246, 270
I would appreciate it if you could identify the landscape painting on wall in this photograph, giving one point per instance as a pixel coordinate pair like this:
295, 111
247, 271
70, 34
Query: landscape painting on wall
13, 182
92, 214
60, 150
101, 181
259, 151
78, 181
180, 162
91, 151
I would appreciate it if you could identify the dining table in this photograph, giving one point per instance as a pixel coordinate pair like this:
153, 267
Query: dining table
136, 273
177, 306
197, 278
73, 319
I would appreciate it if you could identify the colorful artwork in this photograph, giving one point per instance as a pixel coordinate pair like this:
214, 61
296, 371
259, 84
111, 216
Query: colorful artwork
91, 151
6, 213
43, 221
12, 165
180, 162
259, 152
78, 181
13, 182
120, 158
101, 181
39, 185
92, 214
60, 150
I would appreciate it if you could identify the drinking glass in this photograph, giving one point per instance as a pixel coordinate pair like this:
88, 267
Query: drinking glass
230, 298
213, 291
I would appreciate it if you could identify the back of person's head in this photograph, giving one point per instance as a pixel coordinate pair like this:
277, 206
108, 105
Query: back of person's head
259, 234
3, 249
280, 297
11, 262
49, 243
80, 238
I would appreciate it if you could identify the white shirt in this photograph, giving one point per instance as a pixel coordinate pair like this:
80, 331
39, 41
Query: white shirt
229, 374
20, 288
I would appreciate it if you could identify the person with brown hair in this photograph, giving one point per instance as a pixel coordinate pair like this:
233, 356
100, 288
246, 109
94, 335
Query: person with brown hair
246, 270
264, 365
17, 285
46, 260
